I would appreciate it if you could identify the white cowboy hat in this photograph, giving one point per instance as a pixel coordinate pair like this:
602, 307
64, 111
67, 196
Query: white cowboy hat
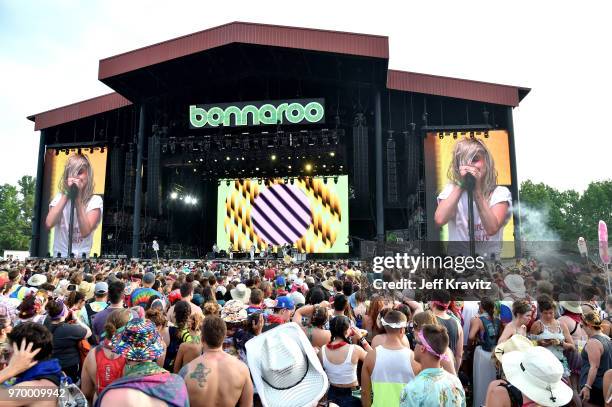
37, 280
241, 293
516, 343
515, 284
285, 368
537, 374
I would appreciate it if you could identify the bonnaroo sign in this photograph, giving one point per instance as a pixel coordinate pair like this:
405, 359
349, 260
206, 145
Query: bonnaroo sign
295, 111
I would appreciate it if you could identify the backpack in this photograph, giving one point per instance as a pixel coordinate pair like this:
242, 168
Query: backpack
70, 395
93, 340
491, 333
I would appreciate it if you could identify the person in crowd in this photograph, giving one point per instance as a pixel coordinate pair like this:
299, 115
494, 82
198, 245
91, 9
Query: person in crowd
388, 367
91, 308
77, 183
144, 382
550, 333
31, 309
115, 299
102, 366
179, 332
433, 386
571, 317
339, 358
142, 296
282, 312
186, 290
485, 329
66, 337
215, 378
521, 313
533, 377
454, 328
428, 318
155, 315
596, 360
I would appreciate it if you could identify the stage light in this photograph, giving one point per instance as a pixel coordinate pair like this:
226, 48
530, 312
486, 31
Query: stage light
187, 199
173, 195
256, 168
242, 158
273, 157
332, 154
308, 167
324, 166
289, 166
227, 158
195, 170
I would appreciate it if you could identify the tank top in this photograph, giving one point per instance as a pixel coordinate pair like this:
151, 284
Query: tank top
343, 373
107, 370
605, 362
392, 372
453, 331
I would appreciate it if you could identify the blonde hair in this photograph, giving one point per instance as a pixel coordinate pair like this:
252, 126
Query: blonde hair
74, 165
463, 154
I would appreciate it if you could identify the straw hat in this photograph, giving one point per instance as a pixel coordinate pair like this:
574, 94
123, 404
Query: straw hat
537, 373
285, 368
241, 293
328, 284
571, 306
234, 311
515, 284
515, 343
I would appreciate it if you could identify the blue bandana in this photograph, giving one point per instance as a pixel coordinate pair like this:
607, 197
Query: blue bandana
50, 367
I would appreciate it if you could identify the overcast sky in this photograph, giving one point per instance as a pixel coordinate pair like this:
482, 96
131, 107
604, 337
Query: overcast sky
49, 53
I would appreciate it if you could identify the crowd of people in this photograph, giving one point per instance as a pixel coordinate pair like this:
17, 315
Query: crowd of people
278, 333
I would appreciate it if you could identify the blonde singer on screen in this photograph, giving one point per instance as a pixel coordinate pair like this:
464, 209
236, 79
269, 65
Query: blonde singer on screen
88, 207
492, 203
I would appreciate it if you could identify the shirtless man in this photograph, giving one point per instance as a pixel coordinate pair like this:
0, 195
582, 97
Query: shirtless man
216, 378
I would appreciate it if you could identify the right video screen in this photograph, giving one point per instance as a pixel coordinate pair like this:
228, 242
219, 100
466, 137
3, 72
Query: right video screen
449, 157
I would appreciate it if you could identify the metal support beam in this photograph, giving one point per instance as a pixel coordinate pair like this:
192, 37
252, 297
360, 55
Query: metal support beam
515, 185
36, 221
138, 186
380, 210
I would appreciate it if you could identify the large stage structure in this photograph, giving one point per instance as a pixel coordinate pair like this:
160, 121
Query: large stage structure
222, 136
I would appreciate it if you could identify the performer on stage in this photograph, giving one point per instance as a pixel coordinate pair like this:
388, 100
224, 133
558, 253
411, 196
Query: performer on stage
492, 203
88, 213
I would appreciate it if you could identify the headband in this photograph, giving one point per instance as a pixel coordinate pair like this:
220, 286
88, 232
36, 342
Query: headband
429, 349
395, 325
61, 314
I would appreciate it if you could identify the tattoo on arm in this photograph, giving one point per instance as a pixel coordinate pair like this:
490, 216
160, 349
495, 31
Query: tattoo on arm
200, 373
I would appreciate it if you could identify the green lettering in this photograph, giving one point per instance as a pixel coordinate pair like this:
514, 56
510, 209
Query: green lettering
317, 109
197, 116
267, 114
227, 120
215, 116
295, 113
244, 118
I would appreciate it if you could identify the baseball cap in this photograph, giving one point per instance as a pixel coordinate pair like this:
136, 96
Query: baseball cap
280, 281
285, 302
101, 288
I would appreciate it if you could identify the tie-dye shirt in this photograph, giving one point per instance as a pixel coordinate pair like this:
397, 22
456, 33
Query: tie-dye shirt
142, 296
433, 388
167, 387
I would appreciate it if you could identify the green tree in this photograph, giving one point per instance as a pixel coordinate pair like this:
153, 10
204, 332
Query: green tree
567, 214
16, 211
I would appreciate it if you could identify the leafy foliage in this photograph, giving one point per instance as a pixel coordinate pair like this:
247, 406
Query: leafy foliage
16, 211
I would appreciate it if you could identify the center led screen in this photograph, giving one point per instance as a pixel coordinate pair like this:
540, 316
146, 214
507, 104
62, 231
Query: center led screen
308, 213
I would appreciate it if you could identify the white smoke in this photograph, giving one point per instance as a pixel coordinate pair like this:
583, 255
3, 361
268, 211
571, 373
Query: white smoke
537, 237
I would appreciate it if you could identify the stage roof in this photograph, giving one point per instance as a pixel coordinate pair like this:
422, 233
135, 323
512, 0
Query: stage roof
140, 73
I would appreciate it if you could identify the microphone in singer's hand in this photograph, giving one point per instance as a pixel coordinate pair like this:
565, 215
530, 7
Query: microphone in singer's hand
469, 181
74, 191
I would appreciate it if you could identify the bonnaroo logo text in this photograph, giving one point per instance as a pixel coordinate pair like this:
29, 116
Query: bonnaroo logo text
248, 114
